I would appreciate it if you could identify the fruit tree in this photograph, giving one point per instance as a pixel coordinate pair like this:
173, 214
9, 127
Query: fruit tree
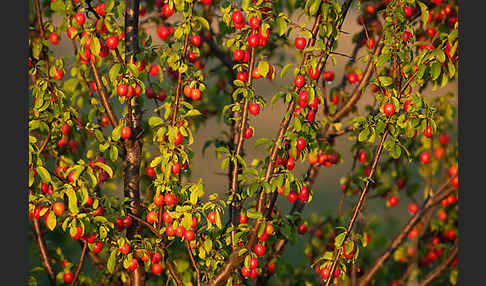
112, 122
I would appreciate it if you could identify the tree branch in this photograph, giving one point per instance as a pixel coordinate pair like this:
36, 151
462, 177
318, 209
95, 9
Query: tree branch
194, 264
44, 256
103, 94
173, 271
80, 264
440, 268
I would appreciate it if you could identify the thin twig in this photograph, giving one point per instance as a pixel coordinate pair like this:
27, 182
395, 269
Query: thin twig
46, 261
193, 261
440, 268
80, 264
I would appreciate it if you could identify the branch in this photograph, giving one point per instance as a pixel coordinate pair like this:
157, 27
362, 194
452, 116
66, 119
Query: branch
44, 143
173, 271
441, 193
440, 268
80, 264
103, 94
239, 145
194, 264
175, 106
44, 256
358, 91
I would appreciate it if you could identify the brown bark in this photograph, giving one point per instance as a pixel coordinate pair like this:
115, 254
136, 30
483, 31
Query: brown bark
44, 255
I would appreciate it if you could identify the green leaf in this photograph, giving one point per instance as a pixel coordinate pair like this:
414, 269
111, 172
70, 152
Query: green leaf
284, 70
155, 121
110, 265
51, 221
364, 135
203, 21
435, 71
95, 46
425, 12
113, 153
281, 26
113, 74
254, 214
44, 174
314, 7
245, 4
192, 112
263, 68
105, 167
338, 241
385, 80
72, 200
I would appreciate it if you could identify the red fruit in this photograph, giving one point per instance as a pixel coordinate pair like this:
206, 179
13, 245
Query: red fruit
207, 2
438, 152
176, 168
72, 32
242, 76
127, 221
425, 158
169, 199
370, 43
325, 273
254, 109
195, 94
237, 17
455, 182
133, 264
337, 272
156, 268
167, 11
444, 139
112, 42
362, 156
300, 43
98, 212
97, 247
259, 249
65, 129
54, 38
189, 234
406, 35
302, 229
125, 249
150, 172
212, 217
292, 196
178, 139
253, 263
255, 74
91, 238
413, 233
196, 40
452, 170
431, 32
408, 11
290, 164
428, 131
105, 121
299, 81
442, 215
393, 200
248, 133
412, 208
152, 217
68, 277
243, 219
58, 208
388, 109
180, 230
78, 234
254, 23
246, 57
245, 271
303, 96
126, 132
122, 90
253, 40
238, 55
163, 32
300, 143
80, 18
349, 254
352, 78
370, 9
167, 218
100, 8
328, 76
451, 234
194, 222
154, 70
